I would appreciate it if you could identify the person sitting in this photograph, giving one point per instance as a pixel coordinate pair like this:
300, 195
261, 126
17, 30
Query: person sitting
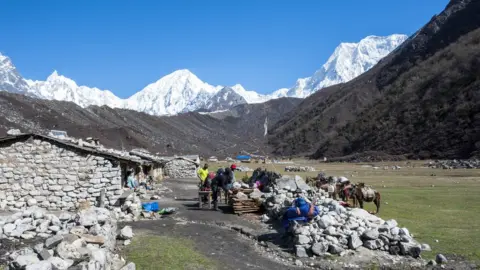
300, 211
131, 182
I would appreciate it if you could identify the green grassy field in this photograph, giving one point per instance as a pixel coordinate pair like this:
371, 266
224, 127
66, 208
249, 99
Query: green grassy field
152, 252
440, 207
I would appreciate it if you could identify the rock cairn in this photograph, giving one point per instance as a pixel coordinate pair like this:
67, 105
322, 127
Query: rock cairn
85, 240
299, 169
336, 229
455, 164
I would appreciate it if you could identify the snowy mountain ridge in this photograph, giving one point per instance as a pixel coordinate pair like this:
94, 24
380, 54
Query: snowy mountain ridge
182, 91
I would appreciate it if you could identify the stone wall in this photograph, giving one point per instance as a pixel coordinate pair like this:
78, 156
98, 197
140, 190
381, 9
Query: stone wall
180, 168
37, 172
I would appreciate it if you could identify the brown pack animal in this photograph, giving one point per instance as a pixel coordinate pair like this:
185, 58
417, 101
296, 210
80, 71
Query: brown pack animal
362, 193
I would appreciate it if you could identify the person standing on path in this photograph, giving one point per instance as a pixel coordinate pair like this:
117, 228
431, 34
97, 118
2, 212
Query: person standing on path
219, 183
202, 174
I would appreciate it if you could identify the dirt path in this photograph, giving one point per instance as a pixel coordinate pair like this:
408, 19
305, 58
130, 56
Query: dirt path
208, 230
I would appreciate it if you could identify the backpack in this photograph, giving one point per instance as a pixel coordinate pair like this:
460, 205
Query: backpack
220, 171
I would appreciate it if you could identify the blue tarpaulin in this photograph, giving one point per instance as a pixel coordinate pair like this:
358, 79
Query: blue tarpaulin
243, 157
150, 207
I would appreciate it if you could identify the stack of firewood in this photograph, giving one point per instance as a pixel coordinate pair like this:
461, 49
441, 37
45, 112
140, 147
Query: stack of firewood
241, 203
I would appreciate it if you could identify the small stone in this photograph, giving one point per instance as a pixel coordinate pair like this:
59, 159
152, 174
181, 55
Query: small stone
426, 247
54, 228
65, 217
404, 231
31, 202
60, 264
93, 239
326, 221
127, 242
370, 244
302, 239
53, 241
335, 249
298, 263
44, 254
38, 247
42, 265
300, 251
370, 235
392, 223
410, 249
22, 261
354, 241
43, 227
319, 248
441, 259
432, 263
78, 230
8, 229
394, 250
28, 235
129, 266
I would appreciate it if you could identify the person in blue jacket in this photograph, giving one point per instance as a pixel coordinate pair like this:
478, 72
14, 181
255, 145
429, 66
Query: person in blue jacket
300, 211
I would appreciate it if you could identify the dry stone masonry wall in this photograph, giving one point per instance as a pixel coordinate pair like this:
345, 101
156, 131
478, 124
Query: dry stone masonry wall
180, 168
37, 172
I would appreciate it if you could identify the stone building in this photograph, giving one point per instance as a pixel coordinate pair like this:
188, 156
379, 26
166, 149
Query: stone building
58, 175
180, 167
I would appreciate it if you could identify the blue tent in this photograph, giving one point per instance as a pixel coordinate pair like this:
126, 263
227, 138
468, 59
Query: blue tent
243, 157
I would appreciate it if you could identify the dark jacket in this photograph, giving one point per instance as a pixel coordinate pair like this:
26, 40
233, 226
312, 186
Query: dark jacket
220, 181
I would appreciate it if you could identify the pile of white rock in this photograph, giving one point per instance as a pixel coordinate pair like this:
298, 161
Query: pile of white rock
337, 229
130, 210
85, 240
455, 164
299, 169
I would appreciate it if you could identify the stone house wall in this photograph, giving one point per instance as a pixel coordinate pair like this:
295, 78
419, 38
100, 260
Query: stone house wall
180, 168
37, 172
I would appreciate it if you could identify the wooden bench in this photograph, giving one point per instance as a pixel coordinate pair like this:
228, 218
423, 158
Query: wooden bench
202, 194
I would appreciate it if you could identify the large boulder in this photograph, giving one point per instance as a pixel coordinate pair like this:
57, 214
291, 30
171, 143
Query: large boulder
319, 248
410, 249
126, 233
354, 241
326, 221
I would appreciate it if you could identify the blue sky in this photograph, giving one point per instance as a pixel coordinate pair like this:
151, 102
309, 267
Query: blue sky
125, 45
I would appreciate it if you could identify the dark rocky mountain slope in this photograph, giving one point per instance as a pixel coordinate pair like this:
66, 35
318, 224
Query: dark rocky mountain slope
421, 101
189, 133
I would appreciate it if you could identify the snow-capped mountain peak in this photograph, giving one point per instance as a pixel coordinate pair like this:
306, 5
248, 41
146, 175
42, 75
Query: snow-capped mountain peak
10, 79
178, 91
182, 91
249, 96
59, 87
348, 61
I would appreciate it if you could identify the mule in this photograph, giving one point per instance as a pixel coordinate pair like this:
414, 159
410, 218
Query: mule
362, 194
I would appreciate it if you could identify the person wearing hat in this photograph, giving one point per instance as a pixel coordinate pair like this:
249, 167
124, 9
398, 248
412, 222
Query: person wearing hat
230, 172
